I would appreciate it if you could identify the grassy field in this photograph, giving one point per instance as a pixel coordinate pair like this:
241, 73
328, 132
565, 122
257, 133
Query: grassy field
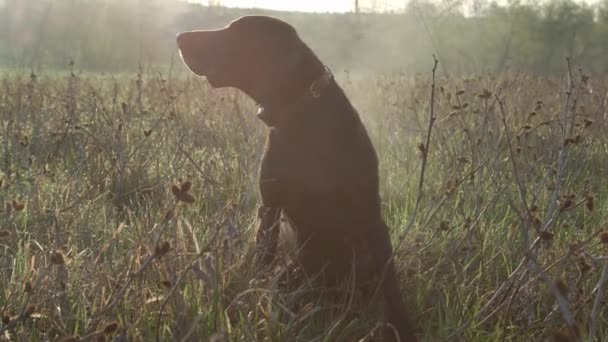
509, 241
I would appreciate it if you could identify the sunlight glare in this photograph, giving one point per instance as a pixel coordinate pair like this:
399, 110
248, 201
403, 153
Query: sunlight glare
288, 5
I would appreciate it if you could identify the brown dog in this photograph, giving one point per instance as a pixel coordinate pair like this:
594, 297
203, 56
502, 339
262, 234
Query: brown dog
319, 168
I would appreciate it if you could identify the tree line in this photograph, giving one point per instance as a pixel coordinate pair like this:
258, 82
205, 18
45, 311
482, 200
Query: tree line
121, 35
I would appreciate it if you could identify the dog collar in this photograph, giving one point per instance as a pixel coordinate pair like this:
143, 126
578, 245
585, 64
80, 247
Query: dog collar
270, 116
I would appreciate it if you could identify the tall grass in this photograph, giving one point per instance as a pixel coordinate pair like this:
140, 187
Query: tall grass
95, 242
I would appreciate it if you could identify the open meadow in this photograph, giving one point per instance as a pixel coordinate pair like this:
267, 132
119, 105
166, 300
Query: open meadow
129, 207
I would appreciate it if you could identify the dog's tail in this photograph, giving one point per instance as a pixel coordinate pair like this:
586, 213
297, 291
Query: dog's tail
396, 312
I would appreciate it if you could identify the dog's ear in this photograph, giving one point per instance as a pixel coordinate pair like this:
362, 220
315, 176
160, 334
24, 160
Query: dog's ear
295, 56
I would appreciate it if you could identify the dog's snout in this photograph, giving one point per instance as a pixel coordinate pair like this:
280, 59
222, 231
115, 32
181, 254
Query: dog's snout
180, 38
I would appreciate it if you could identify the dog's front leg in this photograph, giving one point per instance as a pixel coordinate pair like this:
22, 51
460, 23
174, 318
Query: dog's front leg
272, 184
268, 233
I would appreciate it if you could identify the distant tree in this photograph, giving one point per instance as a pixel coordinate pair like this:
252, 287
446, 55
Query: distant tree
565, 27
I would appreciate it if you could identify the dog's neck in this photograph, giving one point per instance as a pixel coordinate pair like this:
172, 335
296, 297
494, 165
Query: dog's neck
308, 83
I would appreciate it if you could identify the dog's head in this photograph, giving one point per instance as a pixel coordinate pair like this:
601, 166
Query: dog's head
262, 56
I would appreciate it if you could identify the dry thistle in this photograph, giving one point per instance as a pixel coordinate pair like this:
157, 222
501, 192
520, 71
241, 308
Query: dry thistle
444, 226
575, 248
168, 215
6, 318
175, 189
70, 338
28, 286
589, 202
24, 141
538, 223
562, 287
167, 283
450, 187
4, 233
584, 265
546, 236
162, 248
588, 122
185, 186
57, 257
110, 328
186, 198
421, 148
560, 336
566, 202
17, 206
181, 192
604, 237
147, 132
485, 94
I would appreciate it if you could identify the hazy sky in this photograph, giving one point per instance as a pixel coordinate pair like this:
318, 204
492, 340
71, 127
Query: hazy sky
306, 5
323, 5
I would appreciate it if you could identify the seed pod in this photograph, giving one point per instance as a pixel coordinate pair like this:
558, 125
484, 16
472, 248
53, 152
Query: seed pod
545, 235
29, 310
175, 189
589, 202
70, 338
110, 328
162, 248
584, 265
57, 257
421, 148
18, 206
567, 203
185, 186
185, 197
560, 336
28, 286
168, 215
536, 222
604, 237
562, 287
